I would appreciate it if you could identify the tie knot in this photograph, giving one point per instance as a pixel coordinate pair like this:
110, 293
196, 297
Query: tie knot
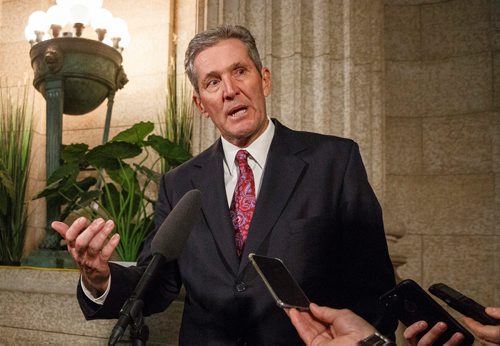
241, 156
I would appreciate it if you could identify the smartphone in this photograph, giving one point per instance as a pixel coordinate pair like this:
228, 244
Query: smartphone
410, 303
462, 304
285, 290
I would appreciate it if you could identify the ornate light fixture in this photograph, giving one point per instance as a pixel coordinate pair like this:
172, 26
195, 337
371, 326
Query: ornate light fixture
69, 18
73, 73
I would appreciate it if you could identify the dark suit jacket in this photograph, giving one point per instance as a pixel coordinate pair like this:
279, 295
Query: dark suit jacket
315, 210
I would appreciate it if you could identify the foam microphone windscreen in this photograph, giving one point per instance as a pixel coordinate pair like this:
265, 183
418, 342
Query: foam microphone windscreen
171, 237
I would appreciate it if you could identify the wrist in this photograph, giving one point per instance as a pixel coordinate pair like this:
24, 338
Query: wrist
376, 339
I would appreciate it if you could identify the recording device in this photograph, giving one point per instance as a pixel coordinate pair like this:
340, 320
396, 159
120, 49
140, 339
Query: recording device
462, 304
167, 245
280, 283
410, 303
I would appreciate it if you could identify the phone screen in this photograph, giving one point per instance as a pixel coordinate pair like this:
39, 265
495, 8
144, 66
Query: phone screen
410, 303
280, 283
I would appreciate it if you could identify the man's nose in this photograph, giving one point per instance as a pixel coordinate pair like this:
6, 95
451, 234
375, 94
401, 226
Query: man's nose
230, 89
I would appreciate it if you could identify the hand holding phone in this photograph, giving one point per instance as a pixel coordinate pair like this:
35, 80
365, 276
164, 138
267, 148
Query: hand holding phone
410, 303
285, 290
462, 304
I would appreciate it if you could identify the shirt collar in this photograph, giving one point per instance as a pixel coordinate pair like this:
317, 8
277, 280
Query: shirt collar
258, 149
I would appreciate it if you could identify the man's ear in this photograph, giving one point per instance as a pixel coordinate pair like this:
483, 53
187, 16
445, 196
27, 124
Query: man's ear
266, 81
199, 105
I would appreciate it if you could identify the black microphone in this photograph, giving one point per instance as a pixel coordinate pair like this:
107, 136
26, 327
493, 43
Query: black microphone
167, 245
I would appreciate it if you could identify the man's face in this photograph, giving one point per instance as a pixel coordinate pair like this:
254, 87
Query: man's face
232, 92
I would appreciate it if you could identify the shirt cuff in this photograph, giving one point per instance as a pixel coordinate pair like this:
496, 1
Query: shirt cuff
99, 300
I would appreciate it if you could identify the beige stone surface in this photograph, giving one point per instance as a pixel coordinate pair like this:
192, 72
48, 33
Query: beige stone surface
403, 143
454, 28
458, 144
456, 85
40, 307
412, 247
442, 205
462, 262
496, 77
402, 32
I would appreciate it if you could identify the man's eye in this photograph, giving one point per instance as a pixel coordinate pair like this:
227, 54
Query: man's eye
212, 83
240, 71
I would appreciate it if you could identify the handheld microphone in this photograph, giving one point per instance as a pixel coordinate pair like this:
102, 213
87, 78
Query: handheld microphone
166, 246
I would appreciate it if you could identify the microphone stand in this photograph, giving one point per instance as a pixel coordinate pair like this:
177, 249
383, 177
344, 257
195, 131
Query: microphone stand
139, 331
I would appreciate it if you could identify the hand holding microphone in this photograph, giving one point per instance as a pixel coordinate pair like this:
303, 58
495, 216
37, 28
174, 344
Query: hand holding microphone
167, 245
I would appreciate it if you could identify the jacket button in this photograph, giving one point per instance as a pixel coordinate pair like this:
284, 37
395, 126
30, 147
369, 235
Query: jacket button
241, 287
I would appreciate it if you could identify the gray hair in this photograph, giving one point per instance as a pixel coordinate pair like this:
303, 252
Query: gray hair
211, 37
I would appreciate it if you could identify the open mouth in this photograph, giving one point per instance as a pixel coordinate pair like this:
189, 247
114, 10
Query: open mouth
239, 111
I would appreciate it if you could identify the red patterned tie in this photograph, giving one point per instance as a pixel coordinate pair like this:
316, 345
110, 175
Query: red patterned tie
243, 204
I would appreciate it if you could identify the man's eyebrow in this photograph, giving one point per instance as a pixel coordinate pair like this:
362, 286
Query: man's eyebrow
209, 75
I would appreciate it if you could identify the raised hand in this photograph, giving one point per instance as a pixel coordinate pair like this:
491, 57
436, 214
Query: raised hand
91, 248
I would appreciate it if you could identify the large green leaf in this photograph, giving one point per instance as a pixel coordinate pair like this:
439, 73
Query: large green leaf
108, 156
135, 134
74, 152
69, 171
173, 153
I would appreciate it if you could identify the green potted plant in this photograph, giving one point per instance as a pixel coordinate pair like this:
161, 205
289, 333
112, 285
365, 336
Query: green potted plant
122, 185
16, 114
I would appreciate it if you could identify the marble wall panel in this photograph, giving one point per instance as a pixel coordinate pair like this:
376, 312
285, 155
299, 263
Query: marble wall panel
140, 100
284, 29
403, 145
147, 52
12, 27
15, 62
402, 32
412, 247
456, 259
403, 93
37, 161
316, 94
43, 305
92, 120
458, 144
442, 205
318, 38
496, 79
457, 85
455, 27
365, 31
495, 20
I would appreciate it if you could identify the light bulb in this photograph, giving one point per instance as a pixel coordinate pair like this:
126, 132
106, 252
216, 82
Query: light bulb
80, 14
29, 33
39, 21
117, 28
101, 19
124, 40
58, 15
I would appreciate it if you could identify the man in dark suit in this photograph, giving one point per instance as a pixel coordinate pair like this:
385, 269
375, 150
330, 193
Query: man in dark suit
307, 197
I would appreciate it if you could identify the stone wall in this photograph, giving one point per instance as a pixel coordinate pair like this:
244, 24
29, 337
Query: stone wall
39, 307
442, 141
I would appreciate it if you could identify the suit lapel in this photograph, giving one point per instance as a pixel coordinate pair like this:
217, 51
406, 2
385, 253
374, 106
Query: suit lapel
282, 172
210, 180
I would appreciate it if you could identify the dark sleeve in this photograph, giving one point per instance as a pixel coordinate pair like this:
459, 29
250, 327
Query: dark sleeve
364, 255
